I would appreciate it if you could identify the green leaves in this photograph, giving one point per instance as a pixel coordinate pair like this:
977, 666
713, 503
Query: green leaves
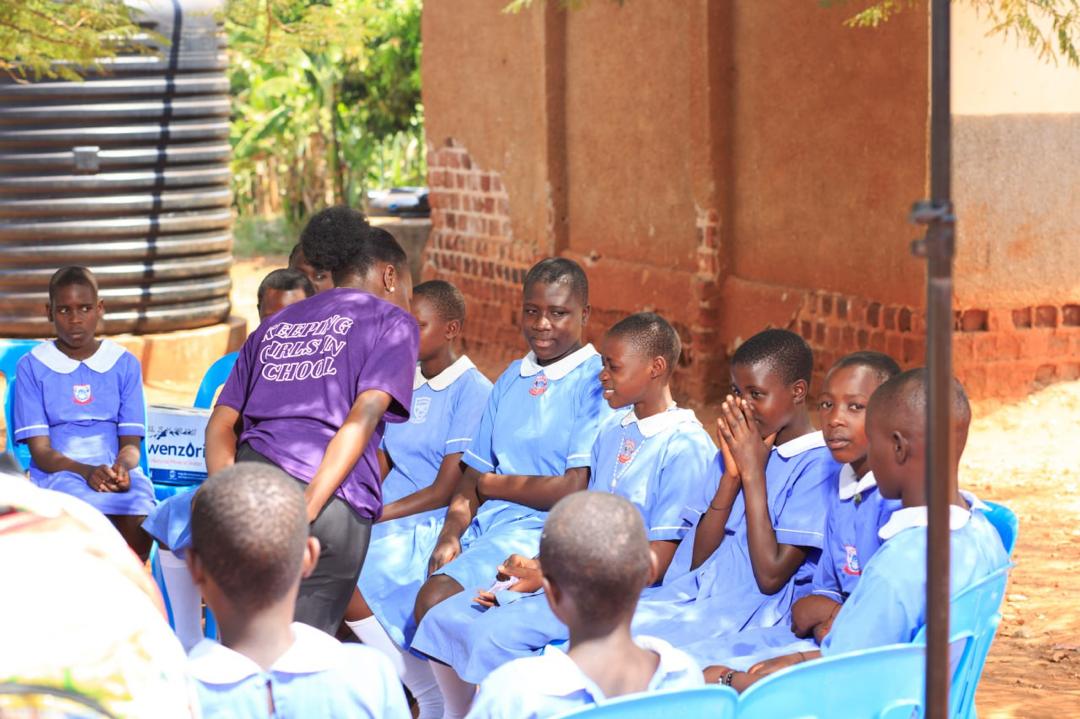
326, 101
49, 39
1049, 27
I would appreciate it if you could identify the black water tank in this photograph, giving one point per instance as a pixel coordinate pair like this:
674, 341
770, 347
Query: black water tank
126, 173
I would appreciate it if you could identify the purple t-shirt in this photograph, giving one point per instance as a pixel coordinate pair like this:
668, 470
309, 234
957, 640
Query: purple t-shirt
300, 372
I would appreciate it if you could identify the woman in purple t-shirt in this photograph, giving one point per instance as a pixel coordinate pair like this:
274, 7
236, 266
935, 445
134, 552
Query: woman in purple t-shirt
311, 392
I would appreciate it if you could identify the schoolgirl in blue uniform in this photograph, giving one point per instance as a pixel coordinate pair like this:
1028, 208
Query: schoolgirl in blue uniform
532, 448
653, 454
888, 605
423, 459
756, 547
79, 406
856, 512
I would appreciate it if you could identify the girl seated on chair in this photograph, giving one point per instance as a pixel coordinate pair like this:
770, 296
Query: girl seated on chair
79, 407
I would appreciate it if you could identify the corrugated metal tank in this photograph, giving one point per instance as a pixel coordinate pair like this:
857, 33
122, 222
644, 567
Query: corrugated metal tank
126, 173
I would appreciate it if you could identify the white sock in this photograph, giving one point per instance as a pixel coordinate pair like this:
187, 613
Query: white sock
184, 599
415, 673
370, 632
422, 685
457, 693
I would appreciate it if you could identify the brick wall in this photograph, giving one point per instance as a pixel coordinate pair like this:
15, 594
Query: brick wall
472, 245
1002, 352
999, 352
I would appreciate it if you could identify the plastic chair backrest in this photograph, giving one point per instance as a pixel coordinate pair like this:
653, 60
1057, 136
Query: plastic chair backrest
1006, 523
974, 616
710, 701
214, 378
880, 683
11, 351
976, 611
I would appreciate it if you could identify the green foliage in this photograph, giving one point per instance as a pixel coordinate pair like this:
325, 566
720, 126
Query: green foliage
46, 38
326, 101
1050, 27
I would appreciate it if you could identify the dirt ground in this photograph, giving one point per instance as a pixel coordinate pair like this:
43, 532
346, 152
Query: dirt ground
1025, 454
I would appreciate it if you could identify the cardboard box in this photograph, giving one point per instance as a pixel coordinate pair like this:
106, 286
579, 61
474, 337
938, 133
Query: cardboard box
176, 444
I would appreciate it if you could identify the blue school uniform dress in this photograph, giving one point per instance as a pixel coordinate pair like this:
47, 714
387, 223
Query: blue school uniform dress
889, 604
552, 683
658, 463
539, 421
317, 676
721, 596
856, 512
83, 408
446, 410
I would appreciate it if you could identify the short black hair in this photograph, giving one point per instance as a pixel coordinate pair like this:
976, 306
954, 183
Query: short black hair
783, 351
340, 241
882, 365
249, 529
603, 565
72, 275
651, 335
557, 270
285, 280
447, 300
904, 397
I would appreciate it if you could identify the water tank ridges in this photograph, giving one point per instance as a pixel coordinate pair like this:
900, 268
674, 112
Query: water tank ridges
127, 173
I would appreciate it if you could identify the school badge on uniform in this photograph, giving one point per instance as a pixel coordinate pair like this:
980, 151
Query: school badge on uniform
420, 408
851, 564
626, 450
82, 394
539, 385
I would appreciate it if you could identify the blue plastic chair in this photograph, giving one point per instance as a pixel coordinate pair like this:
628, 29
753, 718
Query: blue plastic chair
707, 702
880, 683
11, 351
974, 616
214, 378
1006, 523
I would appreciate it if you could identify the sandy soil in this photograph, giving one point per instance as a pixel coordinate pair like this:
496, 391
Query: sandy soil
1024, 454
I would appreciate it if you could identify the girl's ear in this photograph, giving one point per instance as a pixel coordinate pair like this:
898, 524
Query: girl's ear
901, 447
311, 557
390, 278
799, 391
453, 330
658, 367
585, 312
194, 565
654, 569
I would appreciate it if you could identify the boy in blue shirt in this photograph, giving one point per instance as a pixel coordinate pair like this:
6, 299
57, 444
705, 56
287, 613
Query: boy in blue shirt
757, 545
593, 573
856, 512
250, 548
888, 605
79, 406
532, 448
422, 466
653, 454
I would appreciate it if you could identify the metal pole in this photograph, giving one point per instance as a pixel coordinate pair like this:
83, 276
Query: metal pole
938, 248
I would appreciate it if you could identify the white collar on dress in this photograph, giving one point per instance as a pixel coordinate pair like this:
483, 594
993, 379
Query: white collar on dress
909, 517
559, 369
562, 676
805, 443
659, 422
850, 485
108, 352
445, 378
311, 651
